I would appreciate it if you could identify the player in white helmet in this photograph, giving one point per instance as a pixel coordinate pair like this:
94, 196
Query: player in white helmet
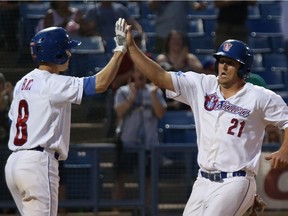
230, 118
40, 114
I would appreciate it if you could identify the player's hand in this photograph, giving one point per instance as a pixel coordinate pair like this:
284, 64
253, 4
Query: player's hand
120, 38
258, 206
278, 159
130, 40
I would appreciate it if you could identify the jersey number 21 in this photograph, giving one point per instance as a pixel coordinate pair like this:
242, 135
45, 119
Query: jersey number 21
235, 123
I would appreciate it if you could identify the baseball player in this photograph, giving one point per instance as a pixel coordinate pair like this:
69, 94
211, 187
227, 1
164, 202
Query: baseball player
230, 117
41, 113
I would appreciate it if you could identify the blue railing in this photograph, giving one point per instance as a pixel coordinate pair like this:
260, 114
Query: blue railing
90, 178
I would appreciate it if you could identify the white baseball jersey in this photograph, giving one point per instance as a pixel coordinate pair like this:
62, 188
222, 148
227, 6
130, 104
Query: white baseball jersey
229, 131
41, 111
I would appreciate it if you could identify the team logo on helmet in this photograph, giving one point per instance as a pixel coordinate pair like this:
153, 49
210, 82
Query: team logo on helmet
227, 46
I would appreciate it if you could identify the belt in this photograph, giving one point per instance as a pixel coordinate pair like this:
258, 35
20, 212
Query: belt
39, 148
218, 176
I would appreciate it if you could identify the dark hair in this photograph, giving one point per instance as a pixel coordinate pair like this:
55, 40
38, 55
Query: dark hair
183, 37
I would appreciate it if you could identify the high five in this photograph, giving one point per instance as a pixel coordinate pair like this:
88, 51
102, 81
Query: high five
230, 117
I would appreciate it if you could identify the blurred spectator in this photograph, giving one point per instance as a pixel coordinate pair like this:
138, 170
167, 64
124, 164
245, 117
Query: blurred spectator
101, 19
123, 75
6, 96
231, 21
9, 12
177, 54
178, 58
62, 15
209, 64
138, 105
171, 15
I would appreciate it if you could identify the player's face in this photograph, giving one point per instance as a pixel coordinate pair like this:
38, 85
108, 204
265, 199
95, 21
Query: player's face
227, 72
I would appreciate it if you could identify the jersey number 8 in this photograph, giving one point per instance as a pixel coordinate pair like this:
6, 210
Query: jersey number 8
21, 126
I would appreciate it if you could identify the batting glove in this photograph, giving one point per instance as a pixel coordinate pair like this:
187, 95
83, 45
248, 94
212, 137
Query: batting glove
120, 39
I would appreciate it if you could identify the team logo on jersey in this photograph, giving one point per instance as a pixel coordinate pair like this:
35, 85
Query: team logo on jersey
211, 101
227, 46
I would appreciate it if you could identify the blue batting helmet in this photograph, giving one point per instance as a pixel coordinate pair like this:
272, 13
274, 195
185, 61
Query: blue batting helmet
238, 51
50, 45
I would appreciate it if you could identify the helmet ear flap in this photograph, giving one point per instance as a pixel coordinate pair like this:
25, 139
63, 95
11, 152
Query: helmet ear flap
61, 57
243, 72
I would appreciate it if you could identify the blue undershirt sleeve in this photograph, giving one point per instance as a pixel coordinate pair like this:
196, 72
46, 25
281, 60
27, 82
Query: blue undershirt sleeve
89, 86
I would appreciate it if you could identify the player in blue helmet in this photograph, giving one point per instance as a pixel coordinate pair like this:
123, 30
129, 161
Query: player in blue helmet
238, 51
230, 118
50, 45
40, 116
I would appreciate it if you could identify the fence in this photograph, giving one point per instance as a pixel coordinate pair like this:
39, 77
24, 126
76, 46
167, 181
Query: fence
91, 178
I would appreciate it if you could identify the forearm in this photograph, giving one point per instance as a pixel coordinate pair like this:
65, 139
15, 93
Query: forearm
108, 73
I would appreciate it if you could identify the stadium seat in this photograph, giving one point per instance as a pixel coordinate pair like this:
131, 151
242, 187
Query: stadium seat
148, 25
267, 27
276, 68
210, 12
30, 14
177, 127
270, 10
33, 10
254, 12
276, 80
260, 44
89, 45
277, 44
89, 57
275, 61
134, 9
201, 44
196, 27
87, 64
210, 27
78, 172
258, 63
145, 12
150, 42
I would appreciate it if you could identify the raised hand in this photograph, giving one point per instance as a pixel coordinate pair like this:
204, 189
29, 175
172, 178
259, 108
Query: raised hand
120, 35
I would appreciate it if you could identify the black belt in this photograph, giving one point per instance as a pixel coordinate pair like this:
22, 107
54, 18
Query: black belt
39, 148
218, 176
